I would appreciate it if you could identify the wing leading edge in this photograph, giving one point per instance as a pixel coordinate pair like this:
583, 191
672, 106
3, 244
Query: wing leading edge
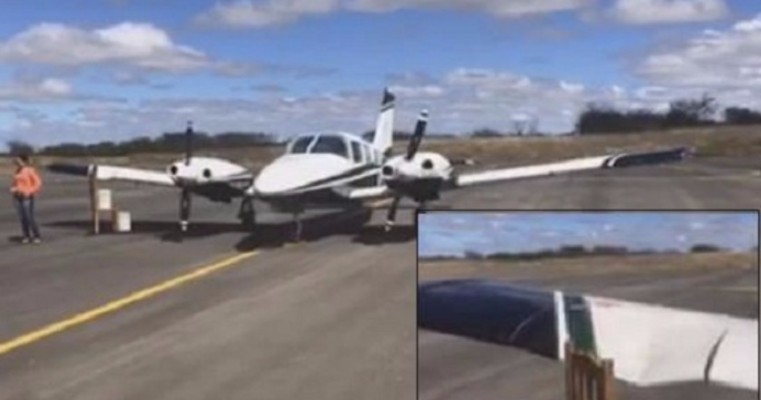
650, 345
107, 172
578, 164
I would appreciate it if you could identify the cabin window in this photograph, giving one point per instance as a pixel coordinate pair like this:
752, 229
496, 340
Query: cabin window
371, 155
330, 145
301, 144
356, 152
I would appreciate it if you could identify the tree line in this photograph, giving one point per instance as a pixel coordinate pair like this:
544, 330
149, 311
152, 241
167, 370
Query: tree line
571, 251
169, 142
595, 119
683, 113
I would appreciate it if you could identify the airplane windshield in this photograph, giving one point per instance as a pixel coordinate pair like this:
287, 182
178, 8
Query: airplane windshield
301, 144
331, 145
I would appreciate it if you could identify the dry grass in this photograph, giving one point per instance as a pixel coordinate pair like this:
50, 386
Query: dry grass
707, 142
594, 265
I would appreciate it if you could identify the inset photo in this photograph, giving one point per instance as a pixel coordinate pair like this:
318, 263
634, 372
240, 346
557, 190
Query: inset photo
578, 305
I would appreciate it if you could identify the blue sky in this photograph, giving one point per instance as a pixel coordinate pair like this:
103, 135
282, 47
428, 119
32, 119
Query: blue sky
114, 69
452, 233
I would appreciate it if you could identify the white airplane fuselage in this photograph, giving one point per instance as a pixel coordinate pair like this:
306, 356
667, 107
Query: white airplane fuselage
308, 175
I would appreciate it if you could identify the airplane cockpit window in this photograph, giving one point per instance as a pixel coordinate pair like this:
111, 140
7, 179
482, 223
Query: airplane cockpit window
331, 145
300, 145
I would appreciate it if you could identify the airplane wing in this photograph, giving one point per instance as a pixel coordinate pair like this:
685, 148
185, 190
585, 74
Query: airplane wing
366, 193
107, 172
140, 175
649, 344
568, 166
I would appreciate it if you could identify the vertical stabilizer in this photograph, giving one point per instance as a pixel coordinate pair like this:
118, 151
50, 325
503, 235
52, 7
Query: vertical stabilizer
384, 129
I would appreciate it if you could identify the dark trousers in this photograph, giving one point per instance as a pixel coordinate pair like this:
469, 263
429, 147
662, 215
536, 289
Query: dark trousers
25, 208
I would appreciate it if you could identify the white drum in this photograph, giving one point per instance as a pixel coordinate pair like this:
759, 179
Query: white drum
122, 221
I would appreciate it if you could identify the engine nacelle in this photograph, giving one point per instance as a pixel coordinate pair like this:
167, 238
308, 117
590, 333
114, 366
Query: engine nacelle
202, 169
420, 177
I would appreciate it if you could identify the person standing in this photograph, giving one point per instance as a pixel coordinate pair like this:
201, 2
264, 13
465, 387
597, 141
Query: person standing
26, 185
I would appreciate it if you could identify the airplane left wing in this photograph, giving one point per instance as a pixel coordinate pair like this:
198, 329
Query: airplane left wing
107, 172
568, 166
649, 344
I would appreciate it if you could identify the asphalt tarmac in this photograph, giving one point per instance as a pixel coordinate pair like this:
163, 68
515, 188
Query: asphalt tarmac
225, 313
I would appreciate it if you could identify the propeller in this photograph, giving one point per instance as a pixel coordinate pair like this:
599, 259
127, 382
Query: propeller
188, 142
412, 149
185, 197
417, 136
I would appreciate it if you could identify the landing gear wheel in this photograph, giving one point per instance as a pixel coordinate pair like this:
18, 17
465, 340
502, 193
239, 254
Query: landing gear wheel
185, 203
247, 214
299, 231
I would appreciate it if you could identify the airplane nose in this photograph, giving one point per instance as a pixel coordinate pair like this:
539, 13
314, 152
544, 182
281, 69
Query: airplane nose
271, 181
293, 173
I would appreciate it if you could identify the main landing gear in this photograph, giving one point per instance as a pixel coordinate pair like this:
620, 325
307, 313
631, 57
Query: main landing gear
247, 214
185, 203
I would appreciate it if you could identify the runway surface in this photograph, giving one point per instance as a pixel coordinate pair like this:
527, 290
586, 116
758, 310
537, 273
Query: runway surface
331, 318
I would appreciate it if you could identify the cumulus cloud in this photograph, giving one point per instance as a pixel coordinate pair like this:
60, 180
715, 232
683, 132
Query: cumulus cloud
725, 63
257, 14
668, 11
139, 45
40, 90
460, 101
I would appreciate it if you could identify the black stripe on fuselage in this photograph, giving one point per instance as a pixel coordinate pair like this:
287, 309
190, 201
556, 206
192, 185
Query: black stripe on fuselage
358, 171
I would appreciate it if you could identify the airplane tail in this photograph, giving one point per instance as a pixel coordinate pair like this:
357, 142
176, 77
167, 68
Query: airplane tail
384, 128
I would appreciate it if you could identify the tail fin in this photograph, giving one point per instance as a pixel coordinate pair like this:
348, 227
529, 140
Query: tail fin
384, 128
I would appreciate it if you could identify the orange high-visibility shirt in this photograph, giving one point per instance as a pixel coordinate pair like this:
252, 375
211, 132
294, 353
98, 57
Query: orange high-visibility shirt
26, 181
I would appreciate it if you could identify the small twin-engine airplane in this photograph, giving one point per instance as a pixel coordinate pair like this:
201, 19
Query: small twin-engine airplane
339, 170
651, 345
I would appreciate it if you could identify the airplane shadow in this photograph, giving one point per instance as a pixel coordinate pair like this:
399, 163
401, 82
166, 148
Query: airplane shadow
345, 223
265, 235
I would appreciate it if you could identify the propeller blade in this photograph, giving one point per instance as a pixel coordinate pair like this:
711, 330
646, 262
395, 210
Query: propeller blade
188, 142
391, 217
417, 136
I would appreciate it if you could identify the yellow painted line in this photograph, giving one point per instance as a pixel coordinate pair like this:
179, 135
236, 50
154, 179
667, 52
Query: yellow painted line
115, 305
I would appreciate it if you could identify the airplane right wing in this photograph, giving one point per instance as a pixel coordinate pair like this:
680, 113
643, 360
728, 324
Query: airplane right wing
568, 166
649, 344
107, 172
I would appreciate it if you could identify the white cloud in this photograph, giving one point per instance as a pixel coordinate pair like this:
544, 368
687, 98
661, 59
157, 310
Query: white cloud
668, 11
39, 90
138, 45
727, 64
257, 14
